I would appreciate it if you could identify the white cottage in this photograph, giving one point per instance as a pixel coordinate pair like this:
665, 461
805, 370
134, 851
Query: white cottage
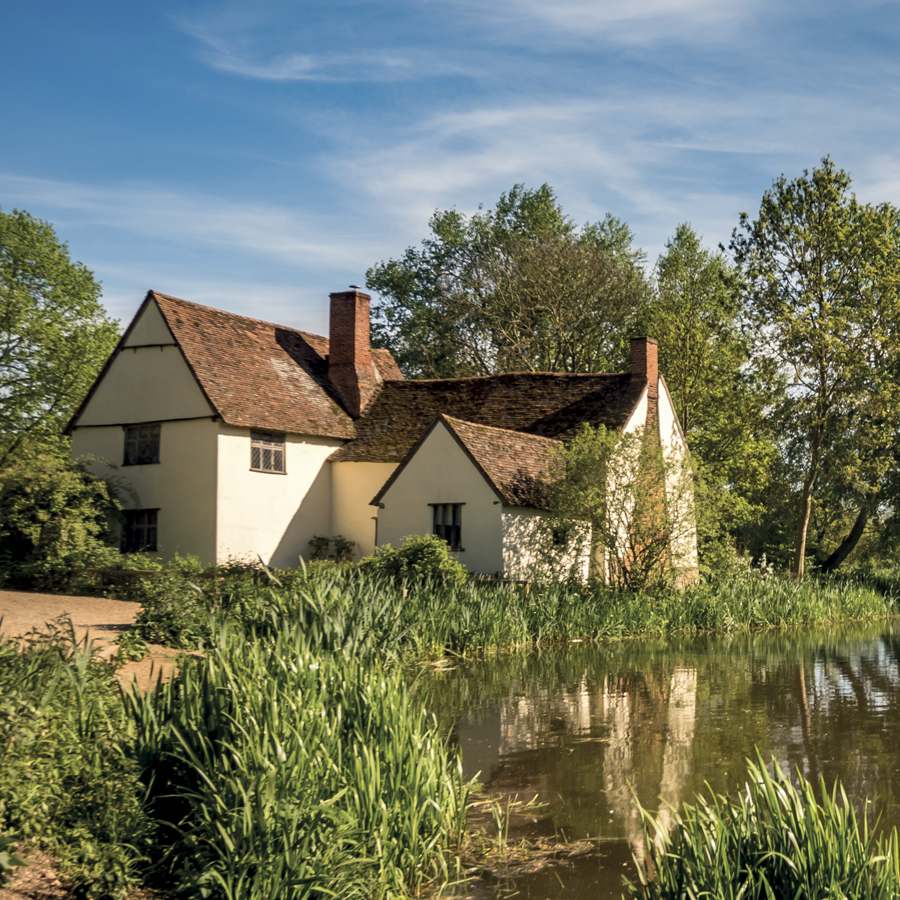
241, 438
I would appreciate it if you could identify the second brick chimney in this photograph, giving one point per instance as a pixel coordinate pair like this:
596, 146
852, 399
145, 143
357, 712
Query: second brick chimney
645, 362
350, 366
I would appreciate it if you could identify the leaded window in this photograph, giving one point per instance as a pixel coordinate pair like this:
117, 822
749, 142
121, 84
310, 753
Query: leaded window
139, 530
141, 445
266, 452
448, 523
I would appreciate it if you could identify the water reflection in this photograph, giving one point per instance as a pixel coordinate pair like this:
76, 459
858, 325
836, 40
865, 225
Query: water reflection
588, 728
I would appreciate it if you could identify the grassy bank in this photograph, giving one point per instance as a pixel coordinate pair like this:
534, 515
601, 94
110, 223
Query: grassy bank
291, 761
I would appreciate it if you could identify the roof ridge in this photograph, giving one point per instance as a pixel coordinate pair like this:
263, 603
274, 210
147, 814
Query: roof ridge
223, 312
538, 438
509, 374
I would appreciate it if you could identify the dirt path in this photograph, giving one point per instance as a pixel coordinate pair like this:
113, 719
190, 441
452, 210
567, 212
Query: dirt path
99, 618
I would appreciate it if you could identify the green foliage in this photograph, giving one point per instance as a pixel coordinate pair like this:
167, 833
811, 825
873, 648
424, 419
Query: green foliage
630, 505
9, 861
419, 558
336, 549
823, 276
695, 313
52, 513
54, 334
69, 779
290, 773
514, 288
773, 840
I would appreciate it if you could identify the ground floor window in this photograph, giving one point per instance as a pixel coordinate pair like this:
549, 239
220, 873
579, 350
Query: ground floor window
266, 452
448, 523
139, 530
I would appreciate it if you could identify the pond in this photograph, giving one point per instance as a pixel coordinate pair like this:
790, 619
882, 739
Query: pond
589, 726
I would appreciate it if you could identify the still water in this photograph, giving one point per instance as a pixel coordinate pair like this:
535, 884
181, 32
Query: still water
584, 725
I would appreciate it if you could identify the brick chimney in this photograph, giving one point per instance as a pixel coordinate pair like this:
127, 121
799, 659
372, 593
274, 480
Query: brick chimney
350, 365
645, 363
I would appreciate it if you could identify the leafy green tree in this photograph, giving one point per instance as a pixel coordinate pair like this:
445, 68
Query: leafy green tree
514, 288
54, 333
823, 277
628, 504
51, 508
695, 312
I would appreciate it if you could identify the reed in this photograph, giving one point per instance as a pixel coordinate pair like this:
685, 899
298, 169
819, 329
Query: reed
295, 774
773, 840
356, 612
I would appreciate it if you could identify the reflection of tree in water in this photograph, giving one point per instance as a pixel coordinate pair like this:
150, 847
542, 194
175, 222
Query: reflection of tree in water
579, 725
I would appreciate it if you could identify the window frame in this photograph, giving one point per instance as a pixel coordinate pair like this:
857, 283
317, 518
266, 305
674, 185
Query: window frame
133, 439
146, 544
271, 443
440, 527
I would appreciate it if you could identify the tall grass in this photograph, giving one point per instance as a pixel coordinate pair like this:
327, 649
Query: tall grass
68, 779
353, 611
294, 774
774, 840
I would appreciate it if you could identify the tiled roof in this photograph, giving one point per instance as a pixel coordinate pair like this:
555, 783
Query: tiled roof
260, 375
538, 403
516, 464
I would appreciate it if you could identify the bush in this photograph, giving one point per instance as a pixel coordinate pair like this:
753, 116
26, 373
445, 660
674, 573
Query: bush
419, 558
52, 513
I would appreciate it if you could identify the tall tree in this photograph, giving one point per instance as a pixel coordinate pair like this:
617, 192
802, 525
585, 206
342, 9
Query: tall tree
54, 333
823, 277
513, 288
695, 312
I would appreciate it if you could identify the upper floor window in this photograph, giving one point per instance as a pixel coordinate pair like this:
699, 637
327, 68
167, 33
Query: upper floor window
448, 523
139, 530
266, 452
141, 445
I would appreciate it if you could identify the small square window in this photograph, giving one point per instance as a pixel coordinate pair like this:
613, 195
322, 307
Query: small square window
139, 530
560, 537
448, 523
141, 445
267, 452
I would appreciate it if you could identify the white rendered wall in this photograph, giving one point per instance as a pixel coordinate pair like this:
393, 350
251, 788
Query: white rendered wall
679, 491
353, 485
441, 472
182, 485
529, 553
272, 515
146, 384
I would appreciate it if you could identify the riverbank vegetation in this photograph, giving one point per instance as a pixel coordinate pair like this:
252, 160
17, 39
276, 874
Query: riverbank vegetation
774, 839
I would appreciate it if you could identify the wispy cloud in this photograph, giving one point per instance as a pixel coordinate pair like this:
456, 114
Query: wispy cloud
177, 215
229, 43
627, 21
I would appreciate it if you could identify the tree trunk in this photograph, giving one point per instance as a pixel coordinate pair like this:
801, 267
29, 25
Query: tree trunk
806, 506
852, 539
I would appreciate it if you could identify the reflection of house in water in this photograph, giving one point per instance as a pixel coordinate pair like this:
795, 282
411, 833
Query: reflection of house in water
591, 739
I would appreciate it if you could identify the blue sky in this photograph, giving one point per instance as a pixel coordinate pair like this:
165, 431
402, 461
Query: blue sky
256, 155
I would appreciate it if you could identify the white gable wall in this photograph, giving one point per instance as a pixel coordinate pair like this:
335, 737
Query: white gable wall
182, 485
271, 515
441, 472
353, 485
150, 328
684, 541
146, 384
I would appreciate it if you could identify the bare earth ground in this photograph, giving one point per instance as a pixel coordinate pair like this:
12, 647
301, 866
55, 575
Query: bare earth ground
102, 620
